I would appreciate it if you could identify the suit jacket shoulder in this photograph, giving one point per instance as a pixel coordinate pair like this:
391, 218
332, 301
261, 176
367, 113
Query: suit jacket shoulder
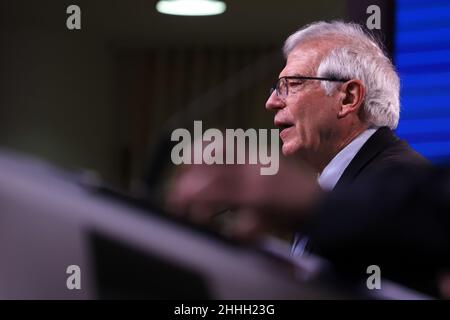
383, 150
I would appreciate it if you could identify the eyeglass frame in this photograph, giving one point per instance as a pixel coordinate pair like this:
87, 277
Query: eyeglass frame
274, 88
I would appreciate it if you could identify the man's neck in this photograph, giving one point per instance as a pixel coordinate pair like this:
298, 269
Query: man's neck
330, 150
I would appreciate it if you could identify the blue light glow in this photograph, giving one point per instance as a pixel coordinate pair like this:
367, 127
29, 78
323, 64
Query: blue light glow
422, 57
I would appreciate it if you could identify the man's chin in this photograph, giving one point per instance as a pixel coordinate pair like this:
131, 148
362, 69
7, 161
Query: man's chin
288, 150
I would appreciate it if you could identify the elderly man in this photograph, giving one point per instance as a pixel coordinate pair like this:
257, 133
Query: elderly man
337, 102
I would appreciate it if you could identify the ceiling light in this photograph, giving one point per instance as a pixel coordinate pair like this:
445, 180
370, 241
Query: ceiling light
191, 7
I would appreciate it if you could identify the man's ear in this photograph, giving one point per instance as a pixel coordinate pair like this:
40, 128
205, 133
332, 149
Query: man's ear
353, 93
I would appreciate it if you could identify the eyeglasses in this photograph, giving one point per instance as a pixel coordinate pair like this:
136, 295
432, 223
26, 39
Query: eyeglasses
281, 88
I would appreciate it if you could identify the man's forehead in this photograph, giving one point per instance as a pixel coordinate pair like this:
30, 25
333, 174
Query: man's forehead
305, 58
301, 62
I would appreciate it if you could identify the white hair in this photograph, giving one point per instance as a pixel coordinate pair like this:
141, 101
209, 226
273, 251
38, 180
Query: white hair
356, 56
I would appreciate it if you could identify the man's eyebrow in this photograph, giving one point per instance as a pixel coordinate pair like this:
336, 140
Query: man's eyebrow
297, 74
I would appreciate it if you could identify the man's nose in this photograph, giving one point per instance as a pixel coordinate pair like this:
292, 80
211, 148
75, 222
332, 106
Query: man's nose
274, 102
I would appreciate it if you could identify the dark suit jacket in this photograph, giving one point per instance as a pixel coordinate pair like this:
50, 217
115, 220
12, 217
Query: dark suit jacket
380, 152
390, 208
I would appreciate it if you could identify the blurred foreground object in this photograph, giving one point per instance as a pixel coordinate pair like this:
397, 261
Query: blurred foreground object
50, 220
396, 218
201, 191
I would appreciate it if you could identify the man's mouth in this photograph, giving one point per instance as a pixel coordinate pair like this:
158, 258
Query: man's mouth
284, 127
282, 124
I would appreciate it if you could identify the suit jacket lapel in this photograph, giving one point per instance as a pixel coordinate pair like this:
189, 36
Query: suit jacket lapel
381, 139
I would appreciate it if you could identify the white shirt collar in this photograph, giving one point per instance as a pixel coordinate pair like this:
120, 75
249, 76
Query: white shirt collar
333, 171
